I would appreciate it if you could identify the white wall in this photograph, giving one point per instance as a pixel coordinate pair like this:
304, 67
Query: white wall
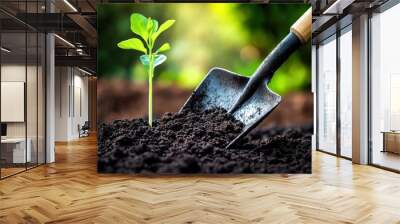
62, 81
80, 100
71, 93
13, 72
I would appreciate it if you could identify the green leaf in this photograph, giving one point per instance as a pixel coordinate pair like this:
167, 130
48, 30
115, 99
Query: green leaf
134, 44
149, 25
152, 25
166, 25
139, 25
158, 60
144, 59
155, 25
164, 47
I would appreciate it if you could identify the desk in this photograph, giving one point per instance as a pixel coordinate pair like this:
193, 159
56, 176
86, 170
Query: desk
391, 141
16, 147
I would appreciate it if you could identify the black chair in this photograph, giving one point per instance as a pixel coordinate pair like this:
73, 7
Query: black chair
84, 130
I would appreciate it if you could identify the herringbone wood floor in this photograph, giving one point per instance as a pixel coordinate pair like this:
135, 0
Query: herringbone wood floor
70, 191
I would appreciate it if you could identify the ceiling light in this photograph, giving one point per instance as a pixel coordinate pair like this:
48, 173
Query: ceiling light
65, 41
70, 5
5, 50
337, 7
80, 51
84, 71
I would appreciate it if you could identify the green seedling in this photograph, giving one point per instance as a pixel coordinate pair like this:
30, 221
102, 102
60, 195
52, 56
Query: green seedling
148, 30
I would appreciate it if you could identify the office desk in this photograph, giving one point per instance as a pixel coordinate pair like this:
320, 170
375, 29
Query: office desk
391, 141
15, 148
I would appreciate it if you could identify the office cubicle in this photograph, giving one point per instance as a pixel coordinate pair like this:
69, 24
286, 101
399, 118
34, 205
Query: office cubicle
22, 91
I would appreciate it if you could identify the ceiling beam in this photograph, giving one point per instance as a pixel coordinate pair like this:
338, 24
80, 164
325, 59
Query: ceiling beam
79, 61
49, 22
86, 27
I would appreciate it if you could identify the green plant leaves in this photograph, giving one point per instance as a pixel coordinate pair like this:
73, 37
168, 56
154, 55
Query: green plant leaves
148, 30
164, 47
152, 25
166, 25
134, 44
158, 60
139, 25
142, 26
145, 60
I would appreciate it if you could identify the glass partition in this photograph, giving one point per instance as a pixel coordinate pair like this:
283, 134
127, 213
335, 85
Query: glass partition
32, 102
22, 77
41, 110
385, 89
31, 97
327, 95
14, 153
346, 92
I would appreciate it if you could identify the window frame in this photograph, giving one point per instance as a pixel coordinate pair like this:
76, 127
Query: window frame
339, 28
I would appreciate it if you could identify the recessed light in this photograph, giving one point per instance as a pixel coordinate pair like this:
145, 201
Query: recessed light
70, 5
337, 7
5, 50
84, 71
64, 40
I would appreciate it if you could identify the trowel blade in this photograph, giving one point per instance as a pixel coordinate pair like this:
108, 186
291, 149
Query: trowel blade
221, 88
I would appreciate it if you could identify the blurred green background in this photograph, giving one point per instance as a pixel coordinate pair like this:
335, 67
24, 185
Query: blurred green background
234, 36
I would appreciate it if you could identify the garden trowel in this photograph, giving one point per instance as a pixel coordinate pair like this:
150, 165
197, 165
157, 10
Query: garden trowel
249, 99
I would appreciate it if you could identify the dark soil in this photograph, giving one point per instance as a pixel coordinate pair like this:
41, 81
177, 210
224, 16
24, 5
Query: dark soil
193, 142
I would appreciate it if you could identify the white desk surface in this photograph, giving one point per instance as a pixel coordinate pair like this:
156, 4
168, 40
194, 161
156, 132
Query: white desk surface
13, 140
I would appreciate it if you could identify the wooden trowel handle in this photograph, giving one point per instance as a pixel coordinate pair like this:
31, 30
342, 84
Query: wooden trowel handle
302, 27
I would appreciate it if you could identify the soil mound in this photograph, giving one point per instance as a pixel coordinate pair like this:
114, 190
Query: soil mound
194, 141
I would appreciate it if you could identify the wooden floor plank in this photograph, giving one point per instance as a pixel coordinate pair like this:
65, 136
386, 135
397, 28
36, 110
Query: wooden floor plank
71, 191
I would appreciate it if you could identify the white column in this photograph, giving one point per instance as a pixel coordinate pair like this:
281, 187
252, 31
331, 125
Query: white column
360, 90
50, 93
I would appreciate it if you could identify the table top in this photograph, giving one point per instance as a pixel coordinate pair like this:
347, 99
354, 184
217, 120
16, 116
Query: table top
391, 132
